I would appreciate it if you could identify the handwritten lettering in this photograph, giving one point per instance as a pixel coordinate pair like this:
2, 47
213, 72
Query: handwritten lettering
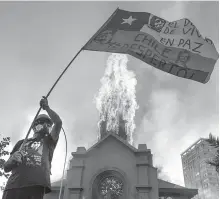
187, 42
193, 30
197, 47
133, 46
181, 72
198, 33
162, 64
149, 50
170, 42
142, 52
171, 68
147, 55
154, 60
181, 42
167, 30
125, 46
190, 30
155, 48
186, 31
173, 24
167, 42
208, 40
114, 45
152, 44
187, 22
163, 40
189, 45
172, 31
147, 40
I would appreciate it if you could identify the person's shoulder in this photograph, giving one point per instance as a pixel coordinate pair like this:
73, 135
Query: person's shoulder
17, 145
22, 140
50, 140
19, 142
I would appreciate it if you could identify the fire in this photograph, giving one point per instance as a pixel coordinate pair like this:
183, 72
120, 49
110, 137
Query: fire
116, 98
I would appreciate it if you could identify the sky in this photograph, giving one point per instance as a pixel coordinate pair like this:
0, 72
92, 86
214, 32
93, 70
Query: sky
38, 40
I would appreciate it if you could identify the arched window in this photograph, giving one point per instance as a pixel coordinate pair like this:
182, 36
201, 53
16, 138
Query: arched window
109, 184
111, 188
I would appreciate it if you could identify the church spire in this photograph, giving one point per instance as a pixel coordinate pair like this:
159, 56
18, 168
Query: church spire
116, 100
121, 129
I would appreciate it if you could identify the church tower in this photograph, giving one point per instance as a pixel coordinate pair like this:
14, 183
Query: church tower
121, 129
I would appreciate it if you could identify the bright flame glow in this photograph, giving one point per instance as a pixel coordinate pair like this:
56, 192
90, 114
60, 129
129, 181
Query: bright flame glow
116, 97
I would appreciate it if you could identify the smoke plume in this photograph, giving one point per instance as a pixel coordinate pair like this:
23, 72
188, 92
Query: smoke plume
116, 99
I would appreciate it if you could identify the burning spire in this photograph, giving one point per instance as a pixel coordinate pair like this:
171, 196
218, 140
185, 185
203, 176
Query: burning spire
116, 100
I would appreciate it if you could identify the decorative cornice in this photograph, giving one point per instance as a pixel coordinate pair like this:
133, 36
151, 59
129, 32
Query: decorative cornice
144, 188
142, 163
178, 192
143, 151
57, 189
77, 166
76, 189
78, 154
139, 163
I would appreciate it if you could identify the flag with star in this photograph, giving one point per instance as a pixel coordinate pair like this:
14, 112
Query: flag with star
175, 47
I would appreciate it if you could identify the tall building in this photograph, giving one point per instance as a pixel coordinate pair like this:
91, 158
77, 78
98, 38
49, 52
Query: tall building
197, 173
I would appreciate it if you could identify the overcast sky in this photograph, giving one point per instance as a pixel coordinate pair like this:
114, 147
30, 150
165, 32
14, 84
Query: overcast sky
37, 41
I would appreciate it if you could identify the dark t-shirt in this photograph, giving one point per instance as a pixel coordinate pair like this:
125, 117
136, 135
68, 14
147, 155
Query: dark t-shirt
36, 165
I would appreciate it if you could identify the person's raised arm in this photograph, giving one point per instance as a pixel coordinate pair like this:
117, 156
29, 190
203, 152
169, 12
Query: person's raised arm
54, 117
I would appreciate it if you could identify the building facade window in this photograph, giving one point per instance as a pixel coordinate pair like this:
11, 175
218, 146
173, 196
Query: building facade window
111, 188
109, 184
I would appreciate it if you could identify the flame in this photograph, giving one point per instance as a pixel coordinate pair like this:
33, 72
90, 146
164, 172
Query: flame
116, 98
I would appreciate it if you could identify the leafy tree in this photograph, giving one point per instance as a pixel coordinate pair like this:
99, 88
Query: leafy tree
3, 152
214, 142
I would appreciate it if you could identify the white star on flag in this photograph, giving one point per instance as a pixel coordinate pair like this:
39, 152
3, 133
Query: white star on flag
129, 20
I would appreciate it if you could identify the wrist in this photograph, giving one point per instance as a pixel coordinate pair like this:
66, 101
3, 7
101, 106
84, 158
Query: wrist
46, 107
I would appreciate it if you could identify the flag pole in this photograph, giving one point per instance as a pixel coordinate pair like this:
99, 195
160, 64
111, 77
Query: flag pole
29, 130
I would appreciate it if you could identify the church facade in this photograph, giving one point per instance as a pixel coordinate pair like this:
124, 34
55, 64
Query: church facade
114, 169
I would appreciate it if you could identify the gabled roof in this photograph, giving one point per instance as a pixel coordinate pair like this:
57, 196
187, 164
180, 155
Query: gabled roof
167, 188
165, 184
115, 136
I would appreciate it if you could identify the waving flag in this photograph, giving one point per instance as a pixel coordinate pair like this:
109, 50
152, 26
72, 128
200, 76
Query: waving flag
174, 47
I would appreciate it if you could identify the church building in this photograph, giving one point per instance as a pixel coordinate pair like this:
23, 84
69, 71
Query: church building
114, 169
